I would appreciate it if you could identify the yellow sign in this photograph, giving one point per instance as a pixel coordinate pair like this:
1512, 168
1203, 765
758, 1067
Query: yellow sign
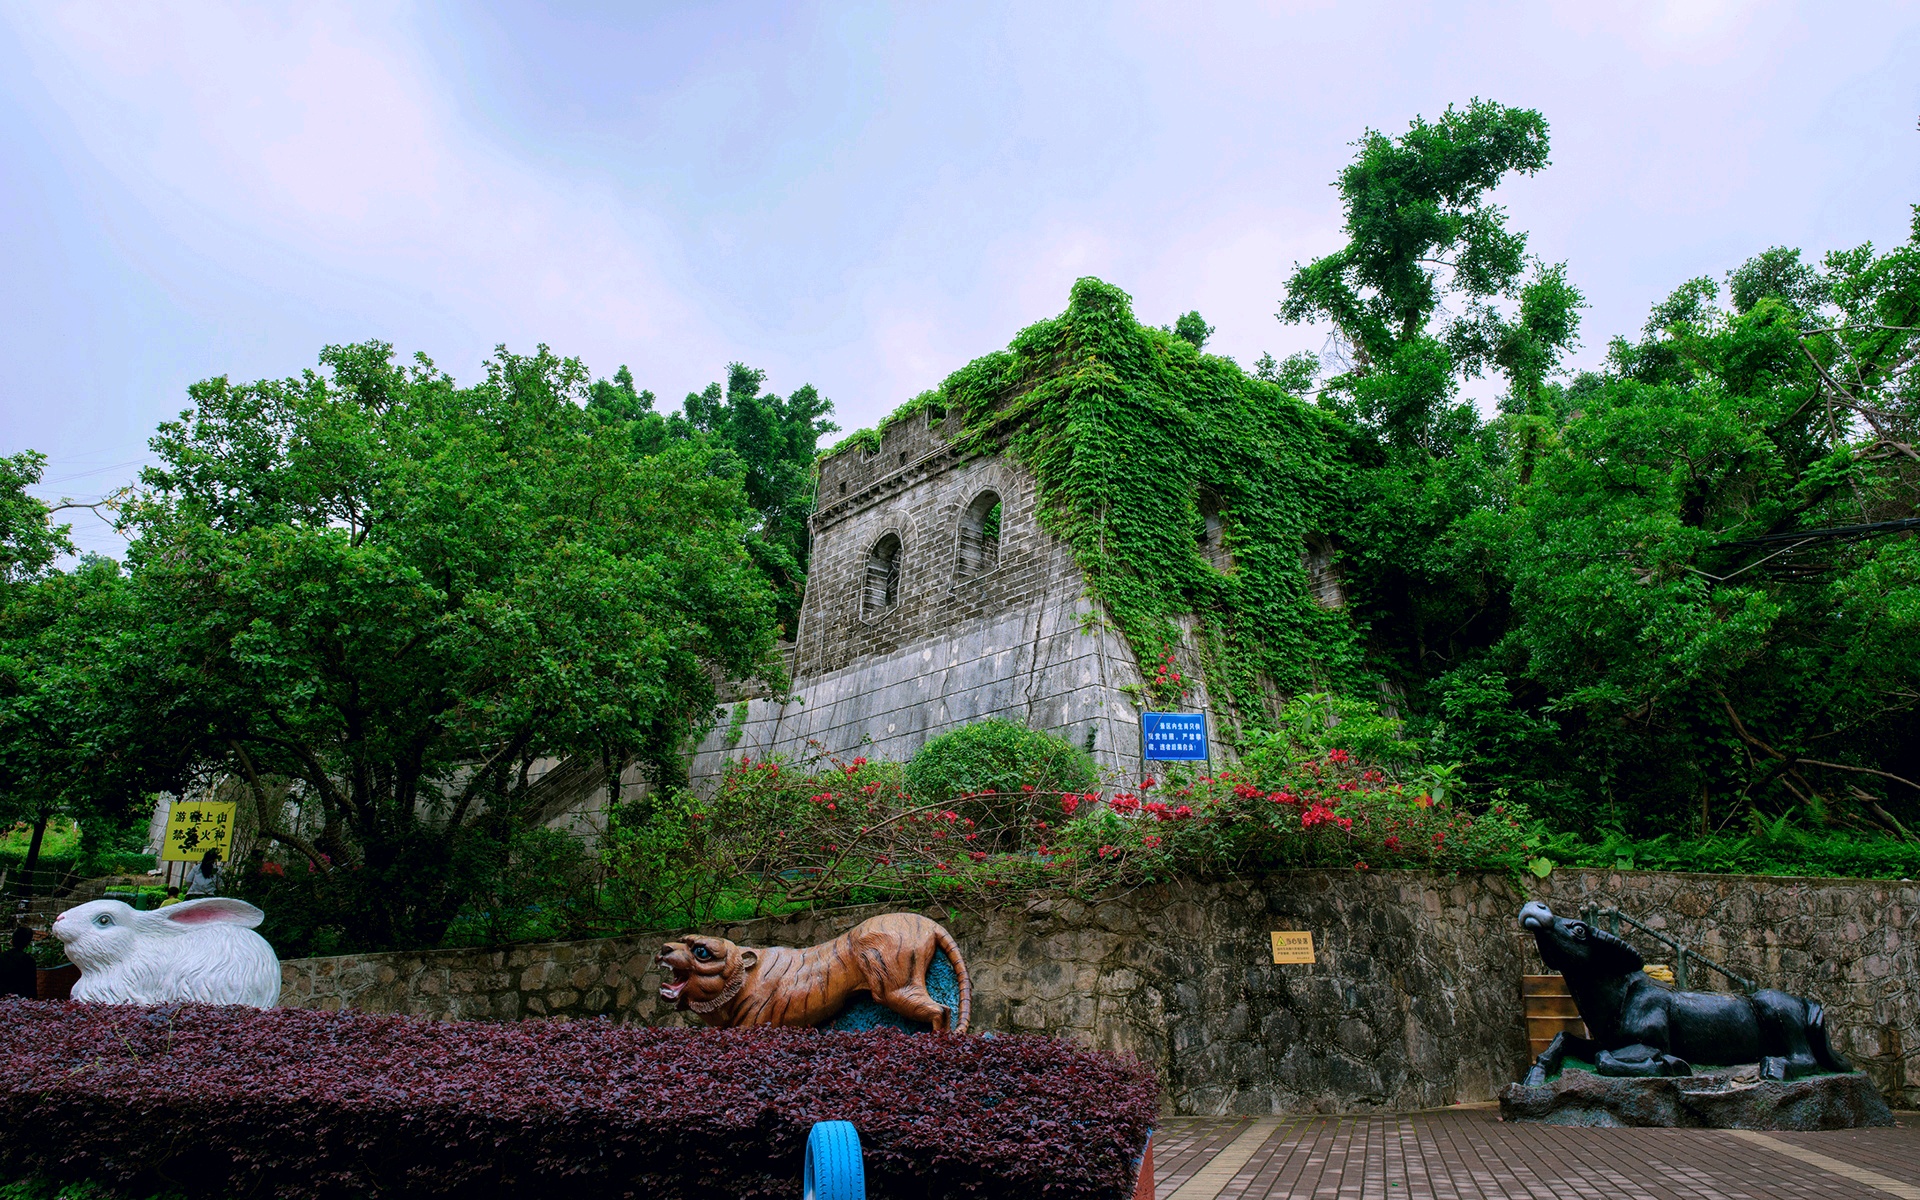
1290, 946
197, 826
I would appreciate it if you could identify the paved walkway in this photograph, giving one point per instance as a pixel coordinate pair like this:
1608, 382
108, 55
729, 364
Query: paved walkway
1468, 1154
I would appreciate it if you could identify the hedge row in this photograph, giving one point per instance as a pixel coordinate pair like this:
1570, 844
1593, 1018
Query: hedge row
217, 1101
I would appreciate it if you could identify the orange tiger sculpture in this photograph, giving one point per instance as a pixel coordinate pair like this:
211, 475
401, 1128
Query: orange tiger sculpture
727, 985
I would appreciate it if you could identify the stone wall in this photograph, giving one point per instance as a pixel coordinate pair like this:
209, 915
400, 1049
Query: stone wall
1015, 640
1413, 1002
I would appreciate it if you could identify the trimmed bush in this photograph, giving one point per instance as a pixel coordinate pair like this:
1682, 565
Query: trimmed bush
997, 756
229, 1101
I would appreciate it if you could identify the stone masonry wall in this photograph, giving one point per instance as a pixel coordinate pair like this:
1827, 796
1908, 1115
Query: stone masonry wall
1414, 1000
1014, 641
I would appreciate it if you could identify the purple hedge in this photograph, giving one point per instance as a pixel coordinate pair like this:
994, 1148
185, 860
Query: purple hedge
236, 1102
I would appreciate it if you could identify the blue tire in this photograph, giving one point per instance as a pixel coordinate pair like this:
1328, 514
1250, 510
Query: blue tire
834, 1167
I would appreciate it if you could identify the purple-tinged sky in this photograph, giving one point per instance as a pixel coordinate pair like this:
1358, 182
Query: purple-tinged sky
861, 197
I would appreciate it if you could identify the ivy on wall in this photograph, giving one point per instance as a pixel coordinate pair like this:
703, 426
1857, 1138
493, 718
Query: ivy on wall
1126, 428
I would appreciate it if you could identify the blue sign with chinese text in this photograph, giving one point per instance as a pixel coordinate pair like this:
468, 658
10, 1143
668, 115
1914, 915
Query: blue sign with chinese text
1174, 737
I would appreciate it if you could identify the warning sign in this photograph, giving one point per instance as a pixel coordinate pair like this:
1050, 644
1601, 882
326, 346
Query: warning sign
1291, 946
197, 826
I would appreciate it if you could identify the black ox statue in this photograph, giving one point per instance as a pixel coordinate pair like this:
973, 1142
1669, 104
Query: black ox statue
1642, 1028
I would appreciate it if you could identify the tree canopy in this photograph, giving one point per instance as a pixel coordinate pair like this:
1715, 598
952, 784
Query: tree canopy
405, 595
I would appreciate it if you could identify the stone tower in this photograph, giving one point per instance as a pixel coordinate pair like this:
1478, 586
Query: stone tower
934, 598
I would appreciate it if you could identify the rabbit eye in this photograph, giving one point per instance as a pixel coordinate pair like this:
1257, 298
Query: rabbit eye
103, 920
1579, 932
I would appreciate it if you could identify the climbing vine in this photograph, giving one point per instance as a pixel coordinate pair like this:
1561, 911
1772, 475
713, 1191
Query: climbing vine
1127, 428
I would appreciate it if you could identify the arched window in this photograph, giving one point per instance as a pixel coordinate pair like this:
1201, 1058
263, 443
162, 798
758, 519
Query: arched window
882, 590
979, 536
1323, 576
1210, 535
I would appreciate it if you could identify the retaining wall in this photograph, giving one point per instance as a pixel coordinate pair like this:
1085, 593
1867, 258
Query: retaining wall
1413, 1002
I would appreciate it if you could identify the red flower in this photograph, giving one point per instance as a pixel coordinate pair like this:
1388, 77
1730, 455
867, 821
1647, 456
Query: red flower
1338, 756
1393, 842
1068, 803
1150, 842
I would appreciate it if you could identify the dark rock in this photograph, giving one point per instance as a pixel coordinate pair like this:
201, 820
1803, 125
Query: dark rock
1726, 1098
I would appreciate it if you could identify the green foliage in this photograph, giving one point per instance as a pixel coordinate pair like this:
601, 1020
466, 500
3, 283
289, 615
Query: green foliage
1135, 437
64, 724
543, 886
59, 847
1421, 232
47, 1189
1569, 601
774, 440
997, 773
1318, 722
29, 540
1650, 667
995, 755
1192, 329
399, 594
1768, 846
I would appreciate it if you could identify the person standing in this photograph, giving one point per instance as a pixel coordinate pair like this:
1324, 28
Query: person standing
204, 880
18, 975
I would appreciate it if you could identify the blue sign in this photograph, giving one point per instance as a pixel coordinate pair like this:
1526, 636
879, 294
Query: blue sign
1174, 737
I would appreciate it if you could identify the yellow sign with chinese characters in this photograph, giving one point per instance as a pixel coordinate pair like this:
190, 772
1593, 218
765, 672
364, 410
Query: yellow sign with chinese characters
197, 826
1292, 946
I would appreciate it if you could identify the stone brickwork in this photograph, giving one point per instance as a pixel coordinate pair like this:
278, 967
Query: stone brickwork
1016, 639
1413, 1002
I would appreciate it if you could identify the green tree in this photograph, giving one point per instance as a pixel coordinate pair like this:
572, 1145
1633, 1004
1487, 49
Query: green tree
60, 750
775, 441
1421, 232
29, 539
1689, 638
1423, 241
403, 595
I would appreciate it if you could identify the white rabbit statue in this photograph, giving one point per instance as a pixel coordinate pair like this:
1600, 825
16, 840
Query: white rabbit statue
202, 950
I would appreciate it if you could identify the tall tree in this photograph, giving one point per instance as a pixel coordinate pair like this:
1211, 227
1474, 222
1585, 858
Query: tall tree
775, 441
1713, 570
401, 594
60, 749
1421, 232
1431, 288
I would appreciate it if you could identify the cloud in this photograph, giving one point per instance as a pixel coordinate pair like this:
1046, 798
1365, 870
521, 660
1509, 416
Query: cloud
321, 141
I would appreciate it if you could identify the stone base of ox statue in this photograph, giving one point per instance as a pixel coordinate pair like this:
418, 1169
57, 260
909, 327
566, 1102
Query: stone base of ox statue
1720, 1098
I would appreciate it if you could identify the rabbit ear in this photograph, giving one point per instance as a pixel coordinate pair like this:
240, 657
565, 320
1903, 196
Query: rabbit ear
210, 909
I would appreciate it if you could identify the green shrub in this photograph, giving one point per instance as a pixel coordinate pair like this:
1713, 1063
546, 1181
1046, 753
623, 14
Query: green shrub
122, 862
993, 771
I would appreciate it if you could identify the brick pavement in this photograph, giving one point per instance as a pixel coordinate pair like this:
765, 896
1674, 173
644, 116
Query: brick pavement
1468, 1154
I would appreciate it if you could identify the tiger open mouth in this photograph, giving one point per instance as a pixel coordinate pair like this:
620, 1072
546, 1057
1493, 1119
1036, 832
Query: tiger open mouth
670, 991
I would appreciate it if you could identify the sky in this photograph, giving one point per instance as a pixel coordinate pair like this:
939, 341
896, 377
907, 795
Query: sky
861, 197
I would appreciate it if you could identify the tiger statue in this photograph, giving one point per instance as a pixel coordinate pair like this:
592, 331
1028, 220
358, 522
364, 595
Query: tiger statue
727, 985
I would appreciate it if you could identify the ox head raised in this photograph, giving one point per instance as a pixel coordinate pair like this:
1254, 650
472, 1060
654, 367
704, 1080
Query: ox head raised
1575, 948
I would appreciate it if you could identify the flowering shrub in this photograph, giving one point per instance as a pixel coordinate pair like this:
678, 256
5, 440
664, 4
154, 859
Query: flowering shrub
779, 834
1325, 810
296, 1103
